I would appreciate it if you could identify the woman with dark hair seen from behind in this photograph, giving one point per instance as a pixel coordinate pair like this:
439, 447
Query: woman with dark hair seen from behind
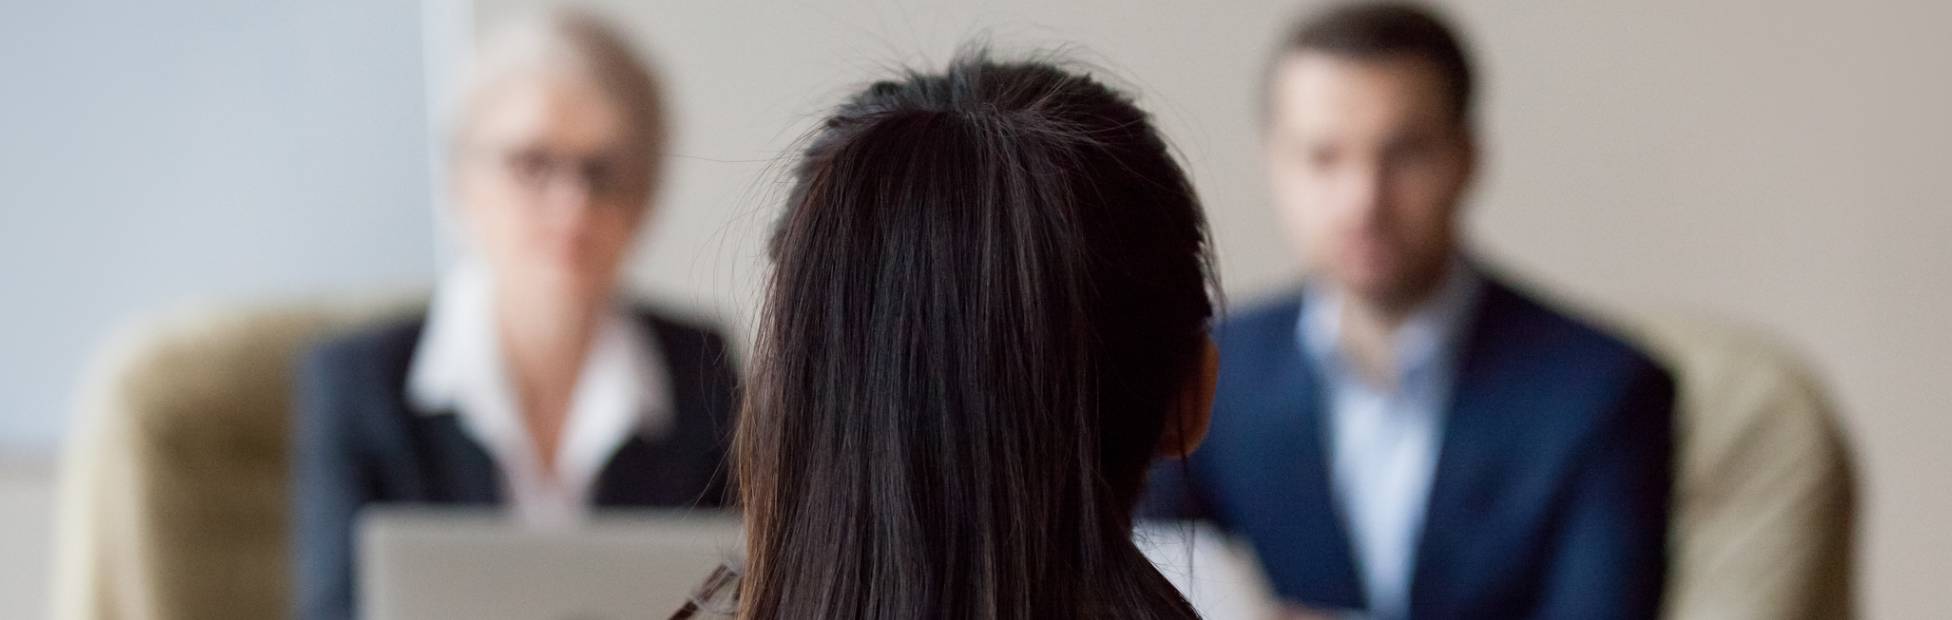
988, 314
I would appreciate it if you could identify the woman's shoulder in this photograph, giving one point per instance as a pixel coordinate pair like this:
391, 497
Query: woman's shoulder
669, 323
692, 344
362, 359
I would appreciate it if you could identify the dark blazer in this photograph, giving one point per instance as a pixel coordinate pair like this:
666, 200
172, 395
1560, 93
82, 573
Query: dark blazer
359, 442
1552, 486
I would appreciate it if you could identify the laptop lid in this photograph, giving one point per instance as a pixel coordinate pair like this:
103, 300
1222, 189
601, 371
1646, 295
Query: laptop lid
435, 564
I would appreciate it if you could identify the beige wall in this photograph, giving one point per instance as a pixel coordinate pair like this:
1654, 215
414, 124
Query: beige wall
1780, 163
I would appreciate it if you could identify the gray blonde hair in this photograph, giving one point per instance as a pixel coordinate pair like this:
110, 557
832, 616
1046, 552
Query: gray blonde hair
567, 41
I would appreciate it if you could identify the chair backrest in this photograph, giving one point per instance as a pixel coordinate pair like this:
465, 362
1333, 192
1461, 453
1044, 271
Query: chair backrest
173, 498
1764, 493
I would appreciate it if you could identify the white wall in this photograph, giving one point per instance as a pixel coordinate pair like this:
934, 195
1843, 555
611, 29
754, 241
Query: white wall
155, 152
1781, 163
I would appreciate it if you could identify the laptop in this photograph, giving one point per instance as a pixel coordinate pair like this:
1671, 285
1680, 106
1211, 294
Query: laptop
436, 564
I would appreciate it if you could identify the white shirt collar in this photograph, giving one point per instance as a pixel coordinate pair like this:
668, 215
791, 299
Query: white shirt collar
1436, 327
457, 367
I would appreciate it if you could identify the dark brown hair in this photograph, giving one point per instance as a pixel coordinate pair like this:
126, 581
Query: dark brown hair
989, 293
1365, 30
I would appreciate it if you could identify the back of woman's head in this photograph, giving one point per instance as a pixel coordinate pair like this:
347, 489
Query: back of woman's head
989, 297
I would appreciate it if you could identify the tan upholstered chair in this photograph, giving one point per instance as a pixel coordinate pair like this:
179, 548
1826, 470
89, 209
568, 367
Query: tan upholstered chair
173, 495
1765, 493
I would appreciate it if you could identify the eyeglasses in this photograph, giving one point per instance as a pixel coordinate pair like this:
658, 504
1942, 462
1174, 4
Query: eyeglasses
534, 168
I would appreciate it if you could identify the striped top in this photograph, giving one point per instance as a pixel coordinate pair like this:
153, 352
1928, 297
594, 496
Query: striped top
717, 597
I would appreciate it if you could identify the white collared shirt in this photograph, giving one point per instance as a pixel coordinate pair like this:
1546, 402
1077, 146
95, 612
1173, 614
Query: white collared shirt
1384, 442
458, 368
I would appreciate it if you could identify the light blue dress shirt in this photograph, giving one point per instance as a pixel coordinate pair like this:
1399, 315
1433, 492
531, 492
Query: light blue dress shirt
1384, 441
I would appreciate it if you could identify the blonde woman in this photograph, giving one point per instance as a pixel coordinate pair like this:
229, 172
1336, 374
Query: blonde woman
529, 383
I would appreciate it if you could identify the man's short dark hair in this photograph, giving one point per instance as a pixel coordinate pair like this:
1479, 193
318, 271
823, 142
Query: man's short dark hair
1367, 31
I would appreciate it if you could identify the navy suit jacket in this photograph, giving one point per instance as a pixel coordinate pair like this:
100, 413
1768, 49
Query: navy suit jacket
1552, 486
361, 443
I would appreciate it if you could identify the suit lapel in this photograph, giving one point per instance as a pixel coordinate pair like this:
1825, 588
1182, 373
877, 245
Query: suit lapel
1286, 501
632, 476
1491, 443
459, 469
681, 465
640, 472
1314, 487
